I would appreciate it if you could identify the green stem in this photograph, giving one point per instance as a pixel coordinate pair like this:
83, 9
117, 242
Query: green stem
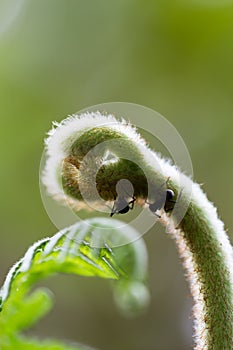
202, 243
207, 258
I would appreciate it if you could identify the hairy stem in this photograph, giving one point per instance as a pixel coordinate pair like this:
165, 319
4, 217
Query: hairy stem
82, 146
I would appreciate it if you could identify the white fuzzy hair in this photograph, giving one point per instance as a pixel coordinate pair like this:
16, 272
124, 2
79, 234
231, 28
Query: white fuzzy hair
58, 144
63, 135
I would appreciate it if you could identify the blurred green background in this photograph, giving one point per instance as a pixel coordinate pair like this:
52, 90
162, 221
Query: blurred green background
58, 57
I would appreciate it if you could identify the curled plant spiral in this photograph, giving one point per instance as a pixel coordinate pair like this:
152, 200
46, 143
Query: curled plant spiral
89, 154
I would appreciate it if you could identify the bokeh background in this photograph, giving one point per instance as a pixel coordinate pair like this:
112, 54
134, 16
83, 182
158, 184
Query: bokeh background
58, 57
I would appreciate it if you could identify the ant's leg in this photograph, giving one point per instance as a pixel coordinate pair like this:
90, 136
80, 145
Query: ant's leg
154, 212
113, 211
167, 209
167, 180
131, 203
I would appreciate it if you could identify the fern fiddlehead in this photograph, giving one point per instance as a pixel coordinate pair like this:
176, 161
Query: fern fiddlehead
79, 164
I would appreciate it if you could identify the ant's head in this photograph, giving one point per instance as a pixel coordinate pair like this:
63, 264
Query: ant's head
169, 195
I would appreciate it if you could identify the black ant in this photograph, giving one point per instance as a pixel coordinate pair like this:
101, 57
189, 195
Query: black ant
122, 206
159, 203
162, 202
